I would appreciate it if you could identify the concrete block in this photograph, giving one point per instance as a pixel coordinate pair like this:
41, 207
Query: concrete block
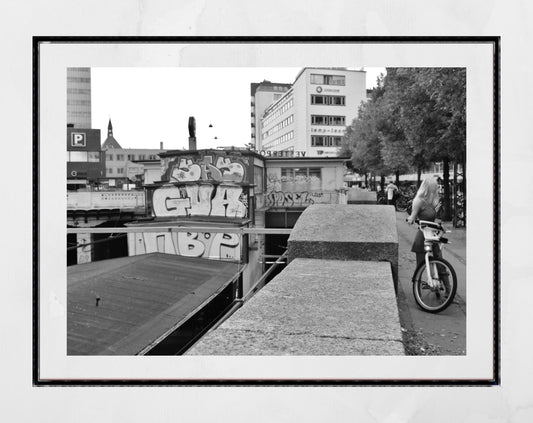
361, 196
315, 307
346, 232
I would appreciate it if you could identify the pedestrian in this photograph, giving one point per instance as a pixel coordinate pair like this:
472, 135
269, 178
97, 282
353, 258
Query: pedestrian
391, 190
425, 206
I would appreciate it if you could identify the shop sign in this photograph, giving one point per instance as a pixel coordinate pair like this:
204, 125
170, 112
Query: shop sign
286, 153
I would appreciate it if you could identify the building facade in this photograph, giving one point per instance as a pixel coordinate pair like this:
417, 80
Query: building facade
263, 94
309, 119
124, 166
85, 160
79, 98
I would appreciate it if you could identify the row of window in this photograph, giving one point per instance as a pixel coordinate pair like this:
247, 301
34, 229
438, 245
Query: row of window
328, 120
284, 138
305, 172
76, 79
80, 102
79, 91
328, 79
328, 100
278, 112
325, 141
278, 127
120, 157
120, 171
83, 156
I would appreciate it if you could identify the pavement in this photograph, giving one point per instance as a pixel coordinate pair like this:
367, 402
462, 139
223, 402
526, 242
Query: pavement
443, 333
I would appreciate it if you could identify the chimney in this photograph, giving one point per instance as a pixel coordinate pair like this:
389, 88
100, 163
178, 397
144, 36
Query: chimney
192, 133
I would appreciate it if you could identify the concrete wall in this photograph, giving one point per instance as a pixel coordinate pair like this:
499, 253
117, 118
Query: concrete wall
314, 307
350, 232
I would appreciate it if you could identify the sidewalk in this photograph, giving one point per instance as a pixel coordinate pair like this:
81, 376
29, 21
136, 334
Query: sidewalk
431, 334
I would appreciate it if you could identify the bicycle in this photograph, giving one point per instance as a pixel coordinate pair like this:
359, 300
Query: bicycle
434, 280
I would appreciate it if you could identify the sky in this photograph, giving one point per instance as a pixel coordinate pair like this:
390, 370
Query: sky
148, 106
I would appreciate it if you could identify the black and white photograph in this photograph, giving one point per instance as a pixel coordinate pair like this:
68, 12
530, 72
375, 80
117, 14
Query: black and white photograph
302, 210
217, 214
279, 211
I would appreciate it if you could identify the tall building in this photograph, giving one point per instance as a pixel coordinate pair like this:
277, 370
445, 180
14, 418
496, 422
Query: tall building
310, 118
79, 98
263, 94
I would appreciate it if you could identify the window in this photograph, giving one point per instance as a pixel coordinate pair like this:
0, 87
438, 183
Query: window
120, 157
142, 157
301, 178
330, 100
325, 141
78, 156
109, 157
328, 120
110, 171
131, 157
120, 170
328, 79
94, 156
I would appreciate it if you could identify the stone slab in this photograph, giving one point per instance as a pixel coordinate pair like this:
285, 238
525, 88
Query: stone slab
361, 196
346, 232
315, 307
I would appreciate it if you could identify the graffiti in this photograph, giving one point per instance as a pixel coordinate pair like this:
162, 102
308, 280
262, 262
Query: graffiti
84, 253
289, 199
199, 200
224, 169
300, 198
293, 183
189, 244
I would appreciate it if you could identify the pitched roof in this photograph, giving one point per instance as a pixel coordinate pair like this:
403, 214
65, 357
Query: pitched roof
141, 299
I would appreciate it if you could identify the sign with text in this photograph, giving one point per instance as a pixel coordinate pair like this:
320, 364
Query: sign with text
78, 139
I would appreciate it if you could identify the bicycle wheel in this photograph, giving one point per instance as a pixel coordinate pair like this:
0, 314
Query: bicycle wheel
438, 298
402, 203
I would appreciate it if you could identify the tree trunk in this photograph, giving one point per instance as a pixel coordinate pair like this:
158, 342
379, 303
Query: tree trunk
398, 178
418, 176
447, 212
382, 183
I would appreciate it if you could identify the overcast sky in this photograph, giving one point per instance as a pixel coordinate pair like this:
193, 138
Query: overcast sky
152, 105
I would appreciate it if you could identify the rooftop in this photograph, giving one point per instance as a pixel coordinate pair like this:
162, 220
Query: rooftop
126, 305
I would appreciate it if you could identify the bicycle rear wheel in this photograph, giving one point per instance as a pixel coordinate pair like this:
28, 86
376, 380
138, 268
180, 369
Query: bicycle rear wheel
402, 203
438, 298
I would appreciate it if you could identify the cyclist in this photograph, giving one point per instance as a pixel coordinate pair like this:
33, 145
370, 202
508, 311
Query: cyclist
425, 206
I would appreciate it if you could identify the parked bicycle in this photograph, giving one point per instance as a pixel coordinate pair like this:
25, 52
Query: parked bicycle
434, 280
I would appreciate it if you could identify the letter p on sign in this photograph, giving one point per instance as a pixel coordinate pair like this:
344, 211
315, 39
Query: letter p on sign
78, 139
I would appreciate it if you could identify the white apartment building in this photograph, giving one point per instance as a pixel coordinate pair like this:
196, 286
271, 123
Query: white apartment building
309, 120
263, 94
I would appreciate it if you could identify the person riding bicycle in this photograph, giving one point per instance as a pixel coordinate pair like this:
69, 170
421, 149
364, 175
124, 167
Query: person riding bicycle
425, 206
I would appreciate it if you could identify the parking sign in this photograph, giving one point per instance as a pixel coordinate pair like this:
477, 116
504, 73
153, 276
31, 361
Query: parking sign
77, 139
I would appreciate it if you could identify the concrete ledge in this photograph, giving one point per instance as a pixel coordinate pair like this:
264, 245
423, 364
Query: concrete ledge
345, 232
315, 307
361, 196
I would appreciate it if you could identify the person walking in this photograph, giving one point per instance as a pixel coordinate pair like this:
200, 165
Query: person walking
391, 190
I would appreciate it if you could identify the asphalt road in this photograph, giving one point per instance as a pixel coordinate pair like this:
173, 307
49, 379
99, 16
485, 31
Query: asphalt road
432, 334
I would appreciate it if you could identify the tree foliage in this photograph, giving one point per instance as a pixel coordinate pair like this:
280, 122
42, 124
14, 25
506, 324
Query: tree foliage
414, 116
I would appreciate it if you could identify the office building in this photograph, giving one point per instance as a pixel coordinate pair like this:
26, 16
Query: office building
79, 98
263, 94
310, 118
